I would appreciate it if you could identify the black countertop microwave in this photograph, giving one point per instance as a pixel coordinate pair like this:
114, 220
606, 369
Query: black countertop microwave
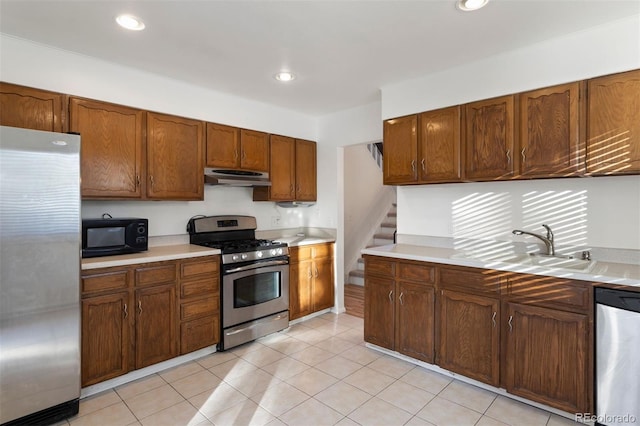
107, 237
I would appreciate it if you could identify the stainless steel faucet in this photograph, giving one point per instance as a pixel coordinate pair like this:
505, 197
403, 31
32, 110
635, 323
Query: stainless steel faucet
548, 240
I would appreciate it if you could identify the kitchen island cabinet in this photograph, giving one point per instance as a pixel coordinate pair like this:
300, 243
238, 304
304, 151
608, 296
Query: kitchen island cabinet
30, 108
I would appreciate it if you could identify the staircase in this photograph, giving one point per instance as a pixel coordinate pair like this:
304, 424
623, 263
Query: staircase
354, 289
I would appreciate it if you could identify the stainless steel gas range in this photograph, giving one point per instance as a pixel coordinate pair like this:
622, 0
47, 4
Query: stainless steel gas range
254, 276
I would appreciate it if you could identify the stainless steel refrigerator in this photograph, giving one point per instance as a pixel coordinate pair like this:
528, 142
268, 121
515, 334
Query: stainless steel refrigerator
39, 276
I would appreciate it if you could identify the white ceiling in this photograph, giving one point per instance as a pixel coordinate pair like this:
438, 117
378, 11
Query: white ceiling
342, 52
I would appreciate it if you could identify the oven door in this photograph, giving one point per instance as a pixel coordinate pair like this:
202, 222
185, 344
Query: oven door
254, 291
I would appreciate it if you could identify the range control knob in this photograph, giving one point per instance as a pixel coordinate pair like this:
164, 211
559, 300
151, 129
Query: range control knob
235, 257
259, 254
273, 252
244, 256
279, 251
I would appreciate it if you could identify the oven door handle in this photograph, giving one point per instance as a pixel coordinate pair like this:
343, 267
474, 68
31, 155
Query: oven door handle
257, 265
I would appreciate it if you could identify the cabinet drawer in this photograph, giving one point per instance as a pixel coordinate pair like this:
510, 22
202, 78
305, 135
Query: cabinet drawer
310, 252
200, 333
153, 275
115, 280
475, 280
198, 308
378, 266
551, 291
416, 272
321, 250
200, 287
201, 267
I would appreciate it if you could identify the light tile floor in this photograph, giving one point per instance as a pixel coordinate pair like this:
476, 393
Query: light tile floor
315, 373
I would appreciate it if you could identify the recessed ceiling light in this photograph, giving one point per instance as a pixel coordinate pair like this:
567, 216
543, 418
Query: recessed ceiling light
130, 22
469, 5
284, 76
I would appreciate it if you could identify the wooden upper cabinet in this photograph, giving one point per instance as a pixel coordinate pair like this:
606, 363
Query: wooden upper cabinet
613, 133
306, 171
112, 148
254, 150
439, 145
175, 149
32, 108
283, 170
400, 146
550, 143
490, 149
223, 146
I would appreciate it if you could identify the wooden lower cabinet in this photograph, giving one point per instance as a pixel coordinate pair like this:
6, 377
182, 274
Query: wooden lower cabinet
310, 279
139, 315
546, 357
400, 307
155, 325
529, 334
470, 336
106, 329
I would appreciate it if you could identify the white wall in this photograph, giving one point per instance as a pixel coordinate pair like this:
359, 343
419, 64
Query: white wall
35, 65
611, 218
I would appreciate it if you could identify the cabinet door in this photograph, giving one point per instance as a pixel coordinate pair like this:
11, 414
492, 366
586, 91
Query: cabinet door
175, 149
400, 150
105, 337
223, 146
112, 148
283, 171
379, 301
300, 289
415, 321
156, 325
322, 284
306, 170
469, 336
549, 141
440, 145
32, 108
547, 356
613, 135
489, 137
254, 150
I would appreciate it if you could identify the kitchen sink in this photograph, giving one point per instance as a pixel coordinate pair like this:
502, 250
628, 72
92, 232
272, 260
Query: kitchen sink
566, 263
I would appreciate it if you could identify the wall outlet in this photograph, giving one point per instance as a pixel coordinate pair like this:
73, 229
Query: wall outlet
275, 220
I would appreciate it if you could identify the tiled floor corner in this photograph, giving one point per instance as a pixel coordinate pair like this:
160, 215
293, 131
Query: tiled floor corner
317, 372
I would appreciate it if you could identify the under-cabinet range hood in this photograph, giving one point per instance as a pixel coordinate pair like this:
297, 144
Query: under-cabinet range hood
215, 176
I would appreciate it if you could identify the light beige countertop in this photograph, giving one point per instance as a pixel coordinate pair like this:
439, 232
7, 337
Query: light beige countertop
305, 241
154, 254
603, 272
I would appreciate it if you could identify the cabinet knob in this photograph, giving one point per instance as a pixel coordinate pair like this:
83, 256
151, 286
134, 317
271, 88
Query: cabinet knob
139, 306
137, 180
413, 165
391, 296
316, 272
424, 168
510, 325
509, 156
152, 181
400, 298
124, 308
493, 319
524, 158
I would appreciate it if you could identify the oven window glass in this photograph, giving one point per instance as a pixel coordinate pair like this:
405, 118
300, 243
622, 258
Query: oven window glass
256, 289
105, 237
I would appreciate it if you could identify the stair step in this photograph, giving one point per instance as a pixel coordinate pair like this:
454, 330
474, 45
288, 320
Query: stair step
354, 300
392, 214
357, 273
383, 237
388, 225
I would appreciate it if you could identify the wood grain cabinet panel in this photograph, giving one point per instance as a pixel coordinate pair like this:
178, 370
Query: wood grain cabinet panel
175, 151
254, 150
283, 169
379, 311
550, 143
199, 333
306, 171
400, 145
415, 321
547, 357
439, 146
156, 325
470, 336
613, 133
311, 284
112, 156
490, 139
106, 323
223, 146
30, 108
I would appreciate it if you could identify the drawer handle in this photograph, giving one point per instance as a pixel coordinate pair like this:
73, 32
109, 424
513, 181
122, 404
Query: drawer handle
413, 165
126, 314
316, 272
391, 296
423, 166
510, 325
401, 301
493, 319
152, 182
524, 157
137, 181
310, 273
139, 306
508, 156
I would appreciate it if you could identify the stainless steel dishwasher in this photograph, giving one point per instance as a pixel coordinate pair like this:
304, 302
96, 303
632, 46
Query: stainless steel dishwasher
617, 360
